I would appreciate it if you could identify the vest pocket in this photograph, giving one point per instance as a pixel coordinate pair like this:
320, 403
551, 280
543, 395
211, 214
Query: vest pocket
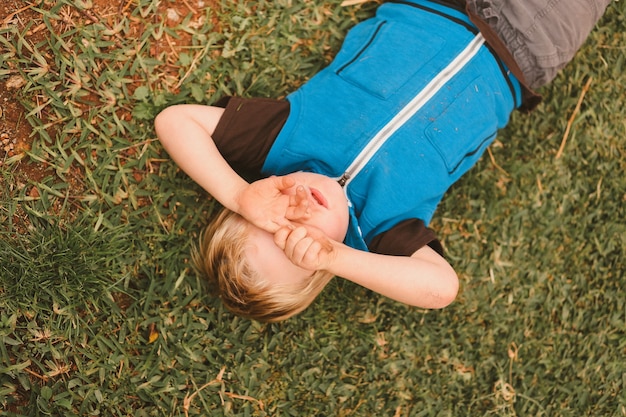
464, 128
382, 57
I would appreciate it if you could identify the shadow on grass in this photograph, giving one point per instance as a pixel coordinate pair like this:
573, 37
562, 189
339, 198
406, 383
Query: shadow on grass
55, 264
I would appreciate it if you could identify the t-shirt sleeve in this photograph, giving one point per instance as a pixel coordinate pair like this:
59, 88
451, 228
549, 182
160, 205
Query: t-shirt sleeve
405, 238
247, 130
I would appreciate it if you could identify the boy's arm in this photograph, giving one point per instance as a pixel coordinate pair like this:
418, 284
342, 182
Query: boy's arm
424, 279
186, 134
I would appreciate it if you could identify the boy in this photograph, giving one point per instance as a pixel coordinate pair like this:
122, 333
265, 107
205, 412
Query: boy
347, 172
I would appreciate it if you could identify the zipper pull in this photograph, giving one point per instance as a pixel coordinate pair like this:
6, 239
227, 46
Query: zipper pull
344, 179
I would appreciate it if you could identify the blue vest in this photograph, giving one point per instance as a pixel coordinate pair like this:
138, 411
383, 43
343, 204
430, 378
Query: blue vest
407, 106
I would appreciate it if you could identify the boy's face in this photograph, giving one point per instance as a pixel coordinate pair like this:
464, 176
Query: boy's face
328, 205
328, 208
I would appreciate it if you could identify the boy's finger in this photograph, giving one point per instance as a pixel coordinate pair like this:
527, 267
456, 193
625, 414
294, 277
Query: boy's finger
293, 238
299, 197
320, 237
272, 225
297, 213
298, 205
312, 256
284, 182
301, 250
280, 237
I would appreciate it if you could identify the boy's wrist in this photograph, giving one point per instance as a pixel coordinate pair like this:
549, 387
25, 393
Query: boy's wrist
335, 256
238, 197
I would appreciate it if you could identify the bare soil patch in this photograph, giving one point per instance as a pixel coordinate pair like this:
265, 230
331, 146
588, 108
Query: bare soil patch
16, 134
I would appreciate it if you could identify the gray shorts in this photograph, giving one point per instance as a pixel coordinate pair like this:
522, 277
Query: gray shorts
542, 35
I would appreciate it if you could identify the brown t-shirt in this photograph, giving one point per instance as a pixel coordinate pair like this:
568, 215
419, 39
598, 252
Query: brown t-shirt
244, 136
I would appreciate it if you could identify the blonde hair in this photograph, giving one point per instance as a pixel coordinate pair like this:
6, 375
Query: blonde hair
220, 257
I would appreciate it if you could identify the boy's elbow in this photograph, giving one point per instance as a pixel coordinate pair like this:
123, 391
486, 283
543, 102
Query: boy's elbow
163, 121
169, 123
448, 288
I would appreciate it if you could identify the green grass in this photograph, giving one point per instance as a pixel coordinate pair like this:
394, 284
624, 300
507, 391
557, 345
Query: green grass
101, 314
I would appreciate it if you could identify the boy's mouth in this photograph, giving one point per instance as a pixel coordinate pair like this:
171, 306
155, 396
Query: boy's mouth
318, 197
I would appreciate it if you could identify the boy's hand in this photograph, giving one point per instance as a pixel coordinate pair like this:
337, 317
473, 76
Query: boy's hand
306, 247
266, 204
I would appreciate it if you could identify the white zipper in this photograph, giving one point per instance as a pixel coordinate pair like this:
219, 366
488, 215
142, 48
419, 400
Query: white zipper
410, 109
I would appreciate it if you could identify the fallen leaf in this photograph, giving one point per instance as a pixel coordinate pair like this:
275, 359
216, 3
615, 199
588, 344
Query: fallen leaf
15, 82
